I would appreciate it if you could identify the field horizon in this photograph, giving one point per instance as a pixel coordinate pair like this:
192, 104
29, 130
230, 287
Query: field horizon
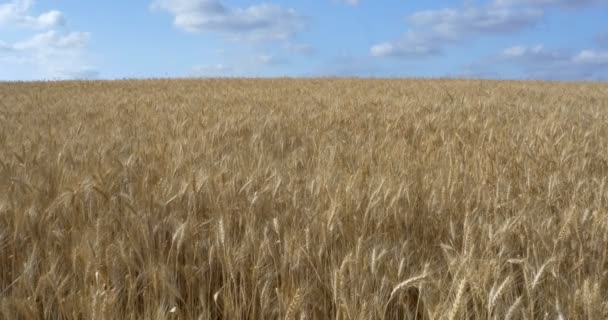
303, 198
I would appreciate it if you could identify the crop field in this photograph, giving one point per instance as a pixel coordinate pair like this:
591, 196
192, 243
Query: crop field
303, 199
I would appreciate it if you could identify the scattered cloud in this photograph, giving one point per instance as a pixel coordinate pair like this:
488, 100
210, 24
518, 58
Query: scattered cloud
50, 55
52, 40
430, 31
591, 57
539, 55
548, 3
411, 44
532, 54
541, 63
47, 54
457, 23
17, 13
261, 22
350, 2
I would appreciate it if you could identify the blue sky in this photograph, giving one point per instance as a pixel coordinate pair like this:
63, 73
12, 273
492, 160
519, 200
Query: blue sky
503, 39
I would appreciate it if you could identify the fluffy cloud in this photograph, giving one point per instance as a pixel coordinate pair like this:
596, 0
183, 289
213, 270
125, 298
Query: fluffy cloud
256, 22
17, 13
454, 24
43, 54
49, 55
432, 30
52, 40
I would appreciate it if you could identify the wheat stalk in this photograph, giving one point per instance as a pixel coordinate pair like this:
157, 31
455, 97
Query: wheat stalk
539, 274
494, 294
513, 309
406, 284
457, 300
295, 304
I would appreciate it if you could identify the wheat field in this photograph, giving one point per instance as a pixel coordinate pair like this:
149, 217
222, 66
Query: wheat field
303, 199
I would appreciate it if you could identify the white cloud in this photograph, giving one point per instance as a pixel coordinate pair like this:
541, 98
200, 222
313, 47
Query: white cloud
350, 2
533, 54
411, 44
53, 40
17, 13
517, 51
42, 54
533, 57
432, 30
542, 63
50, 19
456, 23
591, 57
48, 55
408, 46
383, 49
539, 55
548, 3
256, 22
